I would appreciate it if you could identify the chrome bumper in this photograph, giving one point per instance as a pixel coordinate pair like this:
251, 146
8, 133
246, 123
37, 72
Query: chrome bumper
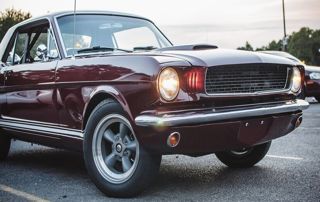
212, 116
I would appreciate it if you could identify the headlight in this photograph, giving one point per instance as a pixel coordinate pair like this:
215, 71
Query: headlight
168, 84
315, 75
296, 80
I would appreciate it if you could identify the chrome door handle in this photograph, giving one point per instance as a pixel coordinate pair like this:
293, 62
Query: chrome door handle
7, 73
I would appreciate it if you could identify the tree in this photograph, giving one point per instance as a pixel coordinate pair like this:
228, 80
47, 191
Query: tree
274, 45
299, 41
10, 17
304, 44
247, 47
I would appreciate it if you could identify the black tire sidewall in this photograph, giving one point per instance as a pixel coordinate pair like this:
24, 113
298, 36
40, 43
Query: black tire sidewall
147, 166
5, 143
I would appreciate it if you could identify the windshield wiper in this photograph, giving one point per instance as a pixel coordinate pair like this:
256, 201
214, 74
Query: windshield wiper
101, 49
145, 48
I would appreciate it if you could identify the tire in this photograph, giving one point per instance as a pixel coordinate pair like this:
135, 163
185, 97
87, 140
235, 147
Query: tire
317, 98
245, 158
5, 143
118, 171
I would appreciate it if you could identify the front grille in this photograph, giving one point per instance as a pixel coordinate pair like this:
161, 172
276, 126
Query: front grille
247, 78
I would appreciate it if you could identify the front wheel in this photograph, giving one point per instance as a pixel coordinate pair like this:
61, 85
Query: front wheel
317, 98
116, 162
244, 158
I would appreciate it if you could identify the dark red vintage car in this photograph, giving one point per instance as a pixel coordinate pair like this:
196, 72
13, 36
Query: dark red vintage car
114, 87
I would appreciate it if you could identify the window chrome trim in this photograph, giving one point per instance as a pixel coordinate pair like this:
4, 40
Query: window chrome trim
51, 32
33, 20
55, 20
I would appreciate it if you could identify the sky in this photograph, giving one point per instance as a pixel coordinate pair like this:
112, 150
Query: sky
226, 23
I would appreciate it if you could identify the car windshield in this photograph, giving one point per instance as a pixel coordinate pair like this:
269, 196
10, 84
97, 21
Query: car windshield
107, 33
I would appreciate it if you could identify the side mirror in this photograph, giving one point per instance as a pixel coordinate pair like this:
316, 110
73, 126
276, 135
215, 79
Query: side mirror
42, 52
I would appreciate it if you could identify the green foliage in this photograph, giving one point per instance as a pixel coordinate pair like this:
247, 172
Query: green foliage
304, 44
247, 47
10, 17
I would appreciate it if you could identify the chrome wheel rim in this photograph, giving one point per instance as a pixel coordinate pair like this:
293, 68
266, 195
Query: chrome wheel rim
115, 149
241, 152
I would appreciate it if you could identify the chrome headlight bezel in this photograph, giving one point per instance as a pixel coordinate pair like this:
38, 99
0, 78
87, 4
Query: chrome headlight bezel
314, 75
168, 84
296, 80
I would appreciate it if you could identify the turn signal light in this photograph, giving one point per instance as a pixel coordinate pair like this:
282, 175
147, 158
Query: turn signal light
173, 139
194, 79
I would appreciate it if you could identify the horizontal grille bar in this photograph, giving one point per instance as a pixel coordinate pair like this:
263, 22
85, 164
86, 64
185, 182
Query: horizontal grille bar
247, 78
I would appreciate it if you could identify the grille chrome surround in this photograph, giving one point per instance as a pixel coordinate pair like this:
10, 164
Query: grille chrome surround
247, 79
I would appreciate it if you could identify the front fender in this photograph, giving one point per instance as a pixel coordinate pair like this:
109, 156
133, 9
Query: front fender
93, 95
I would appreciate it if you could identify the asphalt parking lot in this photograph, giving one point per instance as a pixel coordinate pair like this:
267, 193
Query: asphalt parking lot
290, 172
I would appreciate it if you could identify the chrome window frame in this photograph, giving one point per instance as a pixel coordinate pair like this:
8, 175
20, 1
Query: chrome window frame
55, 21
30, 21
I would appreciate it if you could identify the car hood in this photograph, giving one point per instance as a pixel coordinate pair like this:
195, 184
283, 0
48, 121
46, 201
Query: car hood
312, 68
216, 57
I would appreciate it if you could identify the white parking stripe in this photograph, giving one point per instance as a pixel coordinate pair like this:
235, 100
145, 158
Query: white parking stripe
21, 194
314, 128
285, 157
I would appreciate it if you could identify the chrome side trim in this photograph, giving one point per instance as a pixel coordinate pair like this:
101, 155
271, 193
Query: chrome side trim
9, 118
194, 117
45, 129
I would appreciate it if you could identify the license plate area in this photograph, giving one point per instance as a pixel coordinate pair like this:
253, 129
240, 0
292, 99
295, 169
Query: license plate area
253, 131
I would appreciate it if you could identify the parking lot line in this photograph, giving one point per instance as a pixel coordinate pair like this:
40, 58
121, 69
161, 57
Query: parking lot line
21, 194
314, 128
285, 157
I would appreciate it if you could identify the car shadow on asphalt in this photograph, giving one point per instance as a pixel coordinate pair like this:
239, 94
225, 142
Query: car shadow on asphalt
186, 177
191, 179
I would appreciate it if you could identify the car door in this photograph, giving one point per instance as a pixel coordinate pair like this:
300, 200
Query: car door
30, 75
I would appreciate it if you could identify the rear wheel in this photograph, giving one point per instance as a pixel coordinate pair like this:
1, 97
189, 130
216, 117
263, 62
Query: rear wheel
317, 98
116, 162
244, 158
5, 143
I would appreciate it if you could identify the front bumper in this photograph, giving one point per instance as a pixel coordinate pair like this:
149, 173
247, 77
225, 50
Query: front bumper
207, 116
216, 130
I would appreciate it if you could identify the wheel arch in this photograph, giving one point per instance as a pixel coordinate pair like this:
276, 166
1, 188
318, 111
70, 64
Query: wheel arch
98, 95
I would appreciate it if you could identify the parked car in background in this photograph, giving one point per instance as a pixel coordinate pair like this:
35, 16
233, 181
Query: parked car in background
312, 76
112, 86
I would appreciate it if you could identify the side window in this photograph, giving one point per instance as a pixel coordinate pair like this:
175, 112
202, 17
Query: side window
43, 48
52, 48
35, 44
18, 49
38, 51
